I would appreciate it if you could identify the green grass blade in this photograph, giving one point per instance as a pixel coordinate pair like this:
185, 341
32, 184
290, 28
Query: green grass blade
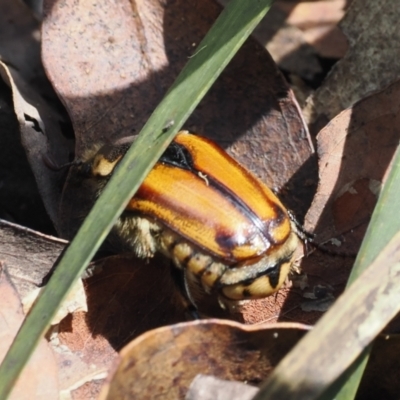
226, 36
346, 385
385, 223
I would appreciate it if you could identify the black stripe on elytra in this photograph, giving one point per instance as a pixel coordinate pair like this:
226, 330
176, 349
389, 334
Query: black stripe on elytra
178, 156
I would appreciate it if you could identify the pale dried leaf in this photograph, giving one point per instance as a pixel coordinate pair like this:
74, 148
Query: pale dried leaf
74, 302
29, 256
33, 384
206, 387
317, 20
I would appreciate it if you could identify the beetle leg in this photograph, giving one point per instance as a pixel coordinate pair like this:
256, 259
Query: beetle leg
304, 235
193, 309
186, 283
182, 283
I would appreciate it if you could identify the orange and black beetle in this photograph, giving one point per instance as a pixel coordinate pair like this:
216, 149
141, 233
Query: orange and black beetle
206, 212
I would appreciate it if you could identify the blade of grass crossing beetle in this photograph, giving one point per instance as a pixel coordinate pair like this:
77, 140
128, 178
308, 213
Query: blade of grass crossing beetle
223, 40
385, 223
319, 375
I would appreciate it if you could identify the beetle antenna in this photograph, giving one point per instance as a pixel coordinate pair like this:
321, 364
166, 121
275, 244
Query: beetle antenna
52, 165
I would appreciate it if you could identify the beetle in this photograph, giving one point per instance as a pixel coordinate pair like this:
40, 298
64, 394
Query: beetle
224, 228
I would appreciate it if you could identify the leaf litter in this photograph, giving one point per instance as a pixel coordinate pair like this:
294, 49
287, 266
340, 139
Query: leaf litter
110, 91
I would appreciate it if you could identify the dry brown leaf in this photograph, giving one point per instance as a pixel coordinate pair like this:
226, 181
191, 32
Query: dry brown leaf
20, 201
162, 363
129, 297
83, 358
286, 43
20, 40
355, 152
40, 135
317, 20
35, 103
296, 33
29, 256
33, 384
126, 297
370, 64
307, 29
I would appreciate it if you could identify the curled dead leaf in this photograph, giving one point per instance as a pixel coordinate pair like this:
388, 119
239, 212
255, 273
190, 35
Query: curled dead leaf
163, 362
355, 152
